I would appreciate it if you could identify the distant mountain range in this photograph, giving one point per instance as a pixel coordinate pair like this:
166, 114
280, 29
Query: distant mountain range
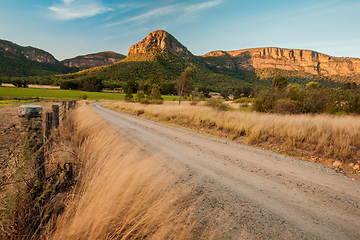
18, 61
160, 54
94, 60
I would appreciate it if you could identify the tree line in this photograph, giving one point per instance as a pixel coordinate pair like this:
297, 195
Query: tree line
283, 97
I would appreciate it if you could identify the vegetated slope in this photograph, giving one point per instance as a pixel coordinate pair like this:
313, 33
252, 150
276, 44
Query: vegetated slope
219, 69
298, 65
18, 61
143, 67
93, 60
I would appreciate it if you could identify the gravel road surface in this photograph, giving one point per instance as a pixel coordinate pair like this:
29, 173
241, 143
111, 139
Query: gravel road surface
249, 193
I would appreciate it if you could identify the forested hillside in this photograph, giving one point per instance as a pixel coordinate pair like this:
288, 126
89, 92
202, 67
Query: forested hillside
12, 65
18, 61
142, 68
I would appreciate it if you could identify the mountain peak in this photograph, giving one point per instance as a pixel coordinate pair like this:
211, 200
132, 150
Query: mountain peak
165, 42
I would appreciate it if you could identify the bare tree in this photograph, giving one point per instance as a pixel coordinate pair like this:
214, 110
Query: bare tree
184, 82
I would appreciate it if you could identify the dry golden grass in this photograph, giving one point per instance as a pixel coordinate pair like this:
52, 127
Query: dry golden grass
335, 137
122, 193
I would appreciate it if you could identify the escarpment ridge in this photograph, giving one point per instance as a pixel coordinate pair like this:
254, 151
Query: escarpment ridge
287, 59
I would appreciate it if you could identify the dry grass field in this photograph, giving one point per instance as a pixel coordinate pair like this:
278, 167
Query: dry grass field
121, 193
318, 138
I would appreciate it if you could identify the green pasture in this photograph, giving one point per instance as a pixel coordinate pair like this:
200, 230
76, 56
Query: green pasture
55, 94
8, 93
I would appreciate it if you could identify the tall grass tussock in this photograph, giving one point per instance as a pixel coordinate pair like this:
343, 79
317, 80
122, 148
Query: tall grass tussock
335, 137
121, 192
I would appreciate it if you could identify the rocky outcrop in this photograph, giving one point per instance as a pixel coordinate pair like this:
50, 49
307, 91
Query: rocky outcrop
165, 42
286, 59
94, 60
31, 53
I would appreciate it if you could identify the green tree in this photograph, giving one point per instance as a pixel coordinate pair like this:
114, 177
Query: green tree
184, 83
25, 83
204, 90
279, 82
133, 85
16, 82
197, 95
247, 91
129, 95
313, 85
224, 93
140, 95
154, 80
155, 93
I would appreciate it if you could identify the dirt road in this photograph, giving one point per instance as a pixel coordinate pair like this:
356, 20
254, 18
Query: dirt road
250, 193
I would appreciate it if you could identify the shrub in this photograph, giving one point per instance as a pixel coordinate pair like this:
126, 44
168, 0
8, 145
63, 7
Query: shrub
244, 100
285, 106
217, 104
84, 96
144, 101
157, 101
279, 82
194, 102
264, 102
140, 95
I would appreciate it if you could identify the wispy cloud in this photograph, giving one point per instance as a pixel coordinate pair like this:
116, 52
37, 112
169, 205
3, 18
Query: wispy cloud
177, 9
73, 9
201, 6
151, 14
68, 1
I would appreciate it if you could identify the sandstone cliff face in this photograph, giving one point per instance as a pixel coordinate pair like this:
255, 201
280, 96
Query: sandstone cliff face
287, 59
94, 60
28, 52
164, 41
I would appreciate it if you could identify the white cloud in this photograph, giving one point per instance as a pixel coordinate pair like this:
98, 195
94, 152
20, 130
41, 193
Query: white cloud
179, 9
68, 1
71, 9
201, 6
153, 13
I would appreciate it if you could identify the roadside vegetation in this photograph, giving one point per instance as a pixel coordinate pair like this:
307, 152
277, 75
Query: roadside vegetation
116, 191
321, 138
313, 98
130, 195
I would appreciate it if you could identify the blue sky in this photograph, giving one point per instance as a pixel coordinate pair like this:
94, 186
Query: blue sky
68, 28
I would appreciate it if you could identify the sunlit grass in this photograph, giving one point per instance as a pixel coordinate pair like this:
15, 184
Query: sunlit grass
335, 137
121, 193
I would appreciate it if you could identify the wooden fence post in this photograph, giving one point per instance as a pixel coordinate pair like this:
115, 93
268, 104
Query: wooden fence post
55, 109
34, 147
48, 124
